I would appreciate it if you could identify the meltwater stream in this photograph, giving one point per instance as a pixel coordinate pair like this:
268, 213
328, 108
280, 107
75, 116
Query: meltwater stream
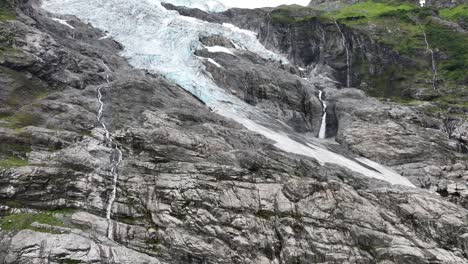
116, 159
163, 42
323, 125
433, 61
348, 56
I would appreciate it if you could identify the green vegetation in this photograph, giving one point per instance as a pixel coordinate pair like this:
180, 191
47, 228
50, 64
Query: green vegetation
400, 26
13, 162
459, 13
454, 99
293, 14
406, 101
71, 261
21, 90
14, 204
6, 13
454, 44
265, 214
16, 222
153, 244
396, 26
23, 119
369, 10
14, 148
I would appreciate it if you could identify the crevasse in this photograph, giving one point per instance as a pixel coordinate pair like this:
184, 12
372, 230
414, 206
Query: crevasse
164, 42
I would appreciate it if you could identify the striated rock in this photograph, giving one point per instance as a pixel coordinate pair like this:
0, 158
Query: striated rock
195, 187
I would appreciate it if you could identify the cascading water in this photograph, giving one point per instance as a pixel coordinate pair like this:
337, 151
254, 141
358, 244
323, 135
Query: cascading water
348, 56
433, 61
323, 125
163, 42
116, 159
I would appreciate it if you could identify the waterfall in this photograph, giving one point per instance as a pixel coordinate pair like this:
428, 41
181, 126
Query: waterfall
433, 61
116, 159
323, 125
163, 42
348, 58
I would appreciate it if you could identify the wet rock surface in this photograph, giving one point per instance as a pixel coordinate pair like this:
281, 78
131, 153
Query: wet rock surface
406, 138
195, 187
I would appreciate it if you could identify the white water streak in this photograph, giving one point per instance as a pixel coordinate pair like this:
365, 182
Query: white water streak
163, 42
348, 56
116, 159
323, 125
433, 61
63, 22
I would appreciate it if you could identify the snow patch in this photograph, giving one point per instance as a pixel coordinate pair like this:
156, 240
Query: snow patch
322, 155
105, 36
237, 46
63, 22
215, 49
214, 62
210, 60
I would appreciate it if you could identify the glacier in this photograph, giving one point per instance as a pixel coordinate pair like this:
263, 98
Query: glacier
161, 41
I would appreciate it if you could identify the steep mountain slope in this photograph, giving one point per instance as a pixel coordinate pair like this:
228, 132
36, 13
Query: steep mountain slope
195, 186
422, 139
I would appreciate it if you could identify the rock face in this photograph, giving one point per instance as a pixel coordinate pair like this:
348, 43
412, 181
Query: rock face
278, 90
195, 187
407, 138
316, 44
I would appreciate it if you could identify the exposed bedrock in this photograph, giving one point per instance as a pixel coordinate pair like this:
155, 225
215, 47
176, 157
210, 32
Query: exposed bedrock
195, 187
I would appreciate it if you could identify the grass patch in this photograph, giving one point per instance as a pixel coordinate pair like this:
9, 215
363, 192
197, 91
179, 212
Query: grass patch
369, 9
17, 222
455, 99
456, 14
394, 23
454, 44
13, 162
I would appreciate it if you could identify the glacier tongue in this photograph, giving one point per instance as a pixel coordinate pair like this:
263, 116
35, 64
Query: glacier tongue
164, 42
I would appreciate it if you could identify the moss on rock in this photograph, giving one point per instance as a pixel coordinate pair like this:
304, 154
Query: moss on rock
17, 222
